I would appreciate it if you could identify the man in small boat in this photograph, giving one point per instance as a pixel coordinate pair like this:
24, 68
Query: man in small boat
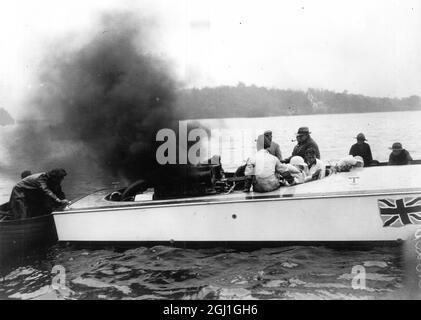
316, 169
304, 142
38, 194
399, 156
264, 170
274, 148
362, 149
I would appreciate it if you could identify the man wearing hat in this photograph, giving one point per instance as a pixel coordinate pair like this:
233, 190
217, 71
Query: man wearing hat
38, 194
274, 148
399, 156
304, 142
362, 149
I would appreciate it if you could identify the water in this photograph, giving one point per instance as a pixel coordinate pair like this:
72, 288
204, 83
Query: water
293, 272
334, 134
173, 273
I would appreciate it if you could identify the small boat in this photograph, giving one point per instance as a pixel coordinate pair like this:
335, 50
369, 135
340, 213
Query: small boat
19, 238
372, 204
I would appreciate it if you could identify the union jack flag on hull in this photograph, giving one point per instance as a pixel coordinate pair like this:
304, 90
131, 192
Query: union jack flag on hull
399, 212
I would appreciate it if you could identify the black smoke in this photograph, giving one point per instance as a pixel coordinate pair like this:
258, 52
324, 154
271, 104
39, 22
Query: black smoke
108, 99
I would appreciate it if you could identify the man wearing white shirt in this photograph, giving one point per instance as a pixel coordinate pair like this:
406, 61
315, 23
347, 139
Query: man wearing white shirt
266, 169
316, 169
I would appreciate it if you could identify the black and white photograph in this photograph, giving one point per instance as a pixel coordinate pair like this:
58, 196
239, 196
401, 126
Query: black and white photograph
231, 152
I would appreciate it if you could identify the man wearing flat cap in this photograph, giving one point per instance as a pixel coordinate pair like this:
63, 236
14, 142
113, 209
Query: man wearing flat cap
304, 142
362, 149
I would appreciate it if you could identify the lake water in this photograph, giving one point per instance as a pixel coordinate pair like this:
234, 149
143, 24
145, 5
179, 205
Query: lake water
334, 133
294, 272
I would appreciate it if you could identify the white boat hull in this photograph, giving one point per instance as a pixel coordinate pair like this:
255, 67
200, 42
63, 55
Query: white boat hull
340, 208
344, 218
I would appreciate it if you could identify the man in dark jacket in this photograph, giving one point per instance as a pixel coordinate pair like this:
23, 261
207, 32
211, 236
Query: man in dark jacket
399, 156
362, 149
38, 194
304, 142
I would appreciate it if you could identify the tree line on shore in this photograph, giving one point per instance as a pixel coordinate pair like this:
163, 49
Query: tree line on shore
253, 101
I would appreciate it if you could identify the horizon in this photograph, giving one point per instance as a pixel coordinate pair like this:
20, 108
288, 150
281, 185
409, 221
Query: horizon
345, 91
36, 120
24, 119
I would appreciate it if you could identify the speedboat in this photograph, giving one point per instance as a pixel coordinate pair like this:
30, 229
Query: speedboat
372, 204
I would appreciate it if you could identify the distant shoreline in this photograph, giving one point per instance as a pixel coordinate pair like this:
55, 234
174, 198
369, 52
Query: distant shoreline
243, 101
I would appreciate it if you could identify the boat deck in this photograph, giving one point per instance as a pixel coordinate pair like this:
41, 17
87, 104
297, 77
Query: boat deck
358, 182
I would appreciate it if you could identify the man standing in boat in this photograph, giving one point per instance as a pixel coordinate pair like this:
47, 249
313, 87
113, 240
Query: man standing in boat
274, 148
304, 142
38, 194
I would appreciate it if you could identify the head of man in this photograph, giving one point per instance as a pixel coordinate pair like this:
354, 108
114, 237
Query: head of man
25, 174
310, 156
268, 135
56, 176
396, 148
360, 138
267, 141
303, 134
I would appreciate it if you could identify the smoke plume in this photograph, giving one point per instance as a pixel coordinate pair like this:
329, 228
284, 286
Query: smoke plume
107, 99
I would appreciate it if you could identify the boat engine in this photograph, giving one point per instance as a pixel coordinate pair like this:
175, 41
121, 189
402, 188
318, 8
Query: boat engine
175, 181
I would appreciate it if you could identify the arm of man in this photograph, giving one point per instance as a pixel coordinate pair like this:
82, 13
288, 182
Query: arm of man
351, 151
280, 167
316, 148
42, 182
408, 156
60, 194
369, 155
57, 190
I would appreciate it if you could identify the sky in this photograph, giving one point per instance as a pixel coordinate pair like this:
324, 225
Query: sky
370, 47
